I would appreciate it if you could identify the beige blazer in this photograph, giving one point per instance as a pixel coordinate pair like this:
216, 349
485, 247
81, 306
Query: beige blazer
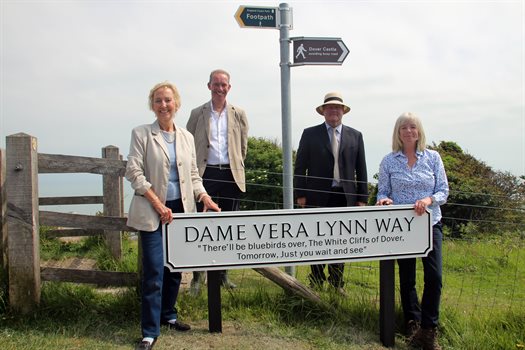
199, 126
148, 167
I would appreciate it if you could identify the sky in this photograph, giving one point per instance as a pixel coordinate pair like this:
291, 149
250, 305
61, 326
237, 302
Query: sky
76, 74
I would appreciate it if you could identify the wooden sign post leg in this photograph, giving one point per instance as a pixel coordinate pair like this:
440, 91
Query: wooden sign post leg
387, 302
214, 302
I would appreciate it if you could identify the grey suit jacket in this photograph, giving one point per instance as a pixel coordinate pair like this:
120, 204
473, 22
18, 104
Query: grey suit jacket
149, 167
314, 166
199, 126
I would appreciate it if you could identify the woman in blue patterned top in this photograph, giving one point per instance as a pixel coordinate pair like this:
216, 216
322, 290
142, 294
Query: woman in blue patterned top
413, 174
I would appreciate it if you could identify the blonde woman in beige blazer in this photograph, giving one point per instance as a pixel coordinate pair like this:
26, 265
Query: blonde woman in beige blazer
148, 170
163, 173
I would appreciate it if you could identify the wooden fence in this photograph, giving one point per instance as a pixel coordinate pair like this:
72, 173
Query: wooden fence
20, 215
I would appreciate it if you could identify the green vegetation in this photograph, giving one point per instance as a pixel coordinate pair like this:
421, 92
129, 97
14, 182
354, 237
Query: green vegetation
481, 201
264, 167
483, 302
89, 248
483, 307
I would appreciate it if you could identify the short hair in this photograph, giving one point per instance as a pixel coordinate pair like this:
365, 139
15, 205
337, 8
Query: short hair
397, 144
167, 85
219, 71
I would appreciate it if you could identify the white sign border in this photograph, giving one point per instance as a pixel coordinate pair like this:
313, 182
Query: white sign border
280, 212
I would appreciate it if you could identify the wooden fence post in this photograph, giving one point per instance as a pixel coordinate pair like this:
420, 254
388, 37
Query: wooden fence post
23, 222
113, 193
3, 213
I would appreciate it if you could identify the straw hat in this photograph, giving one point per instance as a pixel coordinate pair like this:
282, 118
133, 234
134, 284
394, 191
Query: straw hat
333, 98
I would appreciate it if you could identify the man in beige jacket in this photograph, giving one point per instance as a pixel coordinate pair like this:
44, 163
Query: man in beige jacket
221, 141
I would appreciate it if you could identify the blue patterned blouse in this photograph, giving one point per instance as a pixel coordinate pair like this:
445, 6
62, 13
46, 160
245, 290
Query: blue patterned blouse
405, 185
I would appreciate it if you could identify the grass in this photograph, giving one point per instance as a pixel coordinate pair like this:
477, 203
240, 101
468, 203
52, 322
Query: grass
73, 317
483, 306
90, 248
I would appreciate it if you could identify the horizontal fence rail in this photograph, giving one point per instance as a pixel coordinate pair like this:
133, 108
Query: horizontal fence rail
72, 232
51, 218
71, 200
56, 163
99, 278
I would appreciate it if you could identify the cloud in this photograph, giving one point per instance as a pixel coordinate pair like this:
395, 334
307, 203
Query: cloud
76, 74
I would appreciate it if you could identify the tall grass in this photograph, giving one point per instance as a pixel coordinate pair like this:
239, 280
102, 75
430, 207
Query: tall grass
483, 305
92, 247
3, 291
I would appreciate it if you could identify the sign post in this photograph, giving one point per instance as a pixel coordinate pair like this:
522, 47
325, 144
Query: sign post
307, 51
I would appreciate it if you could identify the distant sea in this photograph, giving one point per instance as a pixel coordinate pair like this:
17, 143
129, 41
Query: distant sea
68, 185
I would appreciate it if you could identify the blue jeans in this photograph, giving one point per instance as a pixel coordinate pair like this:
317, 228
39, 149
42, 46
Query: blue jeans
160, 287
428, 311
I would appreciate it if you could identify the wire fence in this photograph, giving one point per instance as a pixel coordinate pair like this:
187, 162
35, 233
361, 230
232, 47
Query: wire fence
487, 276
480, 270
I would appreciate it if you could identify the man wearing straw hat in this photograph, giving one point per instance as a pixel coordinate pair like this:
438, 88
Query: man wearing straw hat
330, 171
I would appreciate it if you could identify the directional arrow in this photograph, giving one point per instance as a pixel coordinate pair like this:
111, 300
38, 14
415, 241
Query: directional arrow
257, 17
319, 51
344, 51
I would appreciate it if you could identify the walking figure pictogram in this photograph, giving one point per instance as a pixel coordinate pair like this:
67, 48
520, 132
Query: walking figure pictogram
300, 51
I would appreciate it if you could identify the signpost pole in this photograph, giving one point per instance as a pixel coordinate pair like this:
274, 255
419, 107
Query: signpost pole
331, 51
284, 40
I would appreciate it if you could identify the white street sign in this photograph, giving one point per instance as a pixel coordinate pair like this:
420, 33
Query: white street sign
227, 240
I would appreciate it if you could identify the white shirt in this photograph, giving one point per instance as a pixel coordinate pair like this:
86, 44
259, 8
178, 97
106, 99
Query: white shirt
218, 151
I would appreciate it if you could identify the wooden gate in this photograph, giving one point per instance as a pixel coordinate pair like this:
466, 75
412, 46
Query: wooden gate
22, 218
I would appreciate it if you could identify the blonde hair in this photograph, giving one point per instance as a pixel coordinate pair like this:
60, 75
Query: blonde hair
167, 85
397, 144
